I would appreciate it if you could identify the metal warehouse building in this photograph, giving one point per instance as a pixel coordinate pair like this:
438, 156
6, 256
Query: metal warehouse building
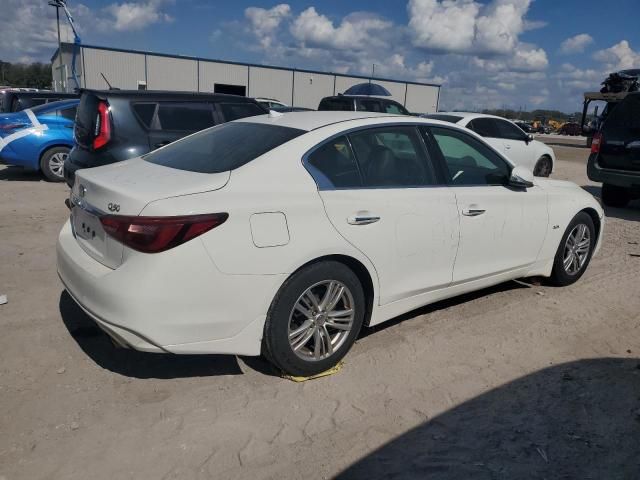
131, 69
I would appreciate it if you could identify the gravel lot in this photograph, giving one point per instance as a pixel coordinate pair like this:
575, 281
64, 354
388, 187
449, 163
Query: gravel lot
511, 382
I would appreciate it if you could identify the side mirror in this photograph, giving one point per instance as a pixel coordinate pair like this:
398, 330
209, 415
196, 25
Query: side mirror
530, 138
521, 178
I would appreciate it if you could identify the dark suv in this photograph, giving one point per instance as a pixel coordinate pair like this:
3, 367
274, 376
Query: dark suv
114, 125
355, 103
615, 153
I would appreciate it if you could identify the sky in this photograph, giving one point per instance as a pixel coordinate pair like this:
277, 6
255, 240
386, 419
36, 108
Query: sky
520, 54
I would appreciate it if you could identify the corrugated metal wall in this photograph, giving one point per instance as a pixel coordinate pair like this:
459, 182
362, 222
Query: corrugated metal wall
165, 73
310, 88
122, 69
302, 89
271, 83
214, 72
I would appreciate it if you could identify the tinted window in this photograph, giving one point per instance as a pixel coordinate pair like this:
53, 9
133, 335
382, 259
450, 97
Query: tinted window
367, 105
395, 108
509, 131
336, 104
223, 148
145, 112
485, 127
332, 165
468, 161
444, 118
185, 116
392, 156
69, 113
234, 111
625, 116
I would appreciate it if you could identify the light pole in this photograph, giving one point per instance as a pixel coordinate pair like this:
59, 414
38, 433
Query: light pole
58, 4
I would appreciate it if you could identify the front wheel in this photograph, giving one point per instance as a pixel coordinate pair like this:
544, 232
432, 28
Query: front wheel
314, 319
543, 167
575, 250
52, 163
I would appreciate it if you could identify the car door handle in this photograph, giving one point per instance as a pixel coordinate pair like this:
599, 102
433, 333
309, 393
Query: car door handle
362, 219
472, 212
508, 147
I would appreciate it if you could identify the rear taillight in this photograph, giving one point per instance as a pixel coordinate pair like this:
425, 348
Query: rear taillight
102, 133
157, 234
596, 142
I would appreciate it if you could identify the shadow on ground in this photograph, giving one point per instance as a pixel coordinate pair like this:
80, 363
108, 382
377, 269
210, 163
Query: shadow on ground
98, 346
17, 174
576, 420
630, 212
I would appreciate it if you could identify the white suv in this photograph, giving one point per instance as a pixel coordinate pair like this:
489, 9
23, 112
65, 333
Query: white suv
506, 137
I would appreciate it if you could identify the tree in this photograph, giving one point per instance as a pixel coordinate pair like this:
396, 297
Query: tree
31, 75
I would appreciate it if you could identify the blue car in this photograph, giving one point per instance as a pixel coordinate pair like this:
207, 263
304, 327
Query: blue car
39, 138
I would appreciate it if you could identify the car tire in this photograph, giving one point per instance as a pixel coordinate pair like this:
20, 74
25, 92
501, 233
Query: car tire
297, 313
614, 196
543, 167
575, 250
52, 163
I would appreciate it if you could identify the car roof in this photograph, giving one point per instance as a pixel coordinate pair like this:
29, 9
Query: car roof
313, 119
147, 94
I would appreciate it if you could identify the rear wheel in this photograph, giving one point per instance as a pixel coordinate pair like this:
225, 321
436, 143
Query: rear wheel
543, 167
52, 163
614, 196
575, 250
314, 319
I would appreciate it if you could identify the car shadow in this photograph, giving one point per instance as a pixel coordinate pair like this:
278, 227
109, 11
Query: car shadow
574, 420
18, 174
630, 212
131, 363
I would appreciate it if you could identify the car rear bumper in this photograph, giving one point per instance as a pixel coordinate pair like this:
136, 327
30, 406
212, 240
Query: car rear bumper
620, 178
177, 303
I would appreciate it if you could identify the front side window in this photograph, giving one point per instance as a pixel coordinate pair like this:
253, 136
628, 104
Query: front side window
332, 165
190, 117
469, 161
509, 131
367, 105
224, 148
394, 108
234, 111
485, 127
392, 157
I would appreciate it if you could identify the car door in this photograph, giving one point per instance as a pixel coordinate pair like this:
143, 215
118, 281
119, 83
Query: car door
487, 128
517, 146
173, 120
382, 195
67, 118
501, 229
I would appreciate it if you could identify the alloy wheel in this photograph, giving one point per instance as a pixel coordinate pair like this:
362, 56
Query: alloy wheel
56, 163
321, 320
576, 249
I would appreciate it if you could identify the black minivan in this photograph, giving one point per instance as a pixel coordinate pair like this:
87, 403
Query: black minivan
115, 125
615, 153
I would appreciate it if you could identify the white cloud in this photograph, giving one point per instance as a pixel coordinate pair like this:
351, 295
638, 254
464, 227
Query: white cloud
576, 44
619, 56
265, 22
136, 15
355, 32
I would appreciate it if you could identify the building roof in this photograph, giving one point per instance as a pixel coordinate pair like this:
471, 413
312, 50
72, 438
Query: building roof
145, 52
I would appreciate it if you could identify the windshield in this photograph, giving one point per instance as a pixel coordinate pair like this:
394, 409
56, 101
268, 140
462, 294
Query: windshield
222, 148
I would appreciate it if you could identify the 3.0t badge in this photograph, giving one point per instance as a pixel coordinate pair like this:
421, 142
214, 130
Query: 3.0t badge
113, 207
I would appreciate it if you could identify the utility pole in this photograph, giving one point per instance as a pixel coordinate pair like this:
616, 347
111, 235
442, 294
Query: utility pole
57, 4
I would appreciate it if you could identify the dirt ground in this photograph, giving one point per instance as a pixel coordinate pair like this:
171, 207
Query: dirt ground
510, 382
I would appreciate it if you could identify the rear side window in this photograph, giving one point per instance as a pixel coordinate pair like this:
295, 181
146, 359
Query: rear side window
332, 165
234, 111
369, 105
444, 118
190, 117
509, 131
68, 113
224, 148
395, 108
145, 112
336, 104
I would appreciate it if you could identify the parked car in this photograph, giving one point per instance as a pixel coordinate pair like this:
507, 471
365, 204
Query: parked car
570, 128
291, 109
15, 100
359, 103
226, 242
40, 138
271, 103
524, 126
507, 138
615, 153
114, 125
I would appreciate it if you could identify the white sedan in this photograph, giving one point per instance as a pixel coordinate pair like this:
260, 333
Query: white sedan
506, 137
286, 234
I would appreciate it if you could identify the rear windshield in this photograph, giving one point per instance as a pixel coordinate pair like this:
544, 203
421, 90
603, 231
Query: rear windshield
223, 148
626, 115
444, 118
